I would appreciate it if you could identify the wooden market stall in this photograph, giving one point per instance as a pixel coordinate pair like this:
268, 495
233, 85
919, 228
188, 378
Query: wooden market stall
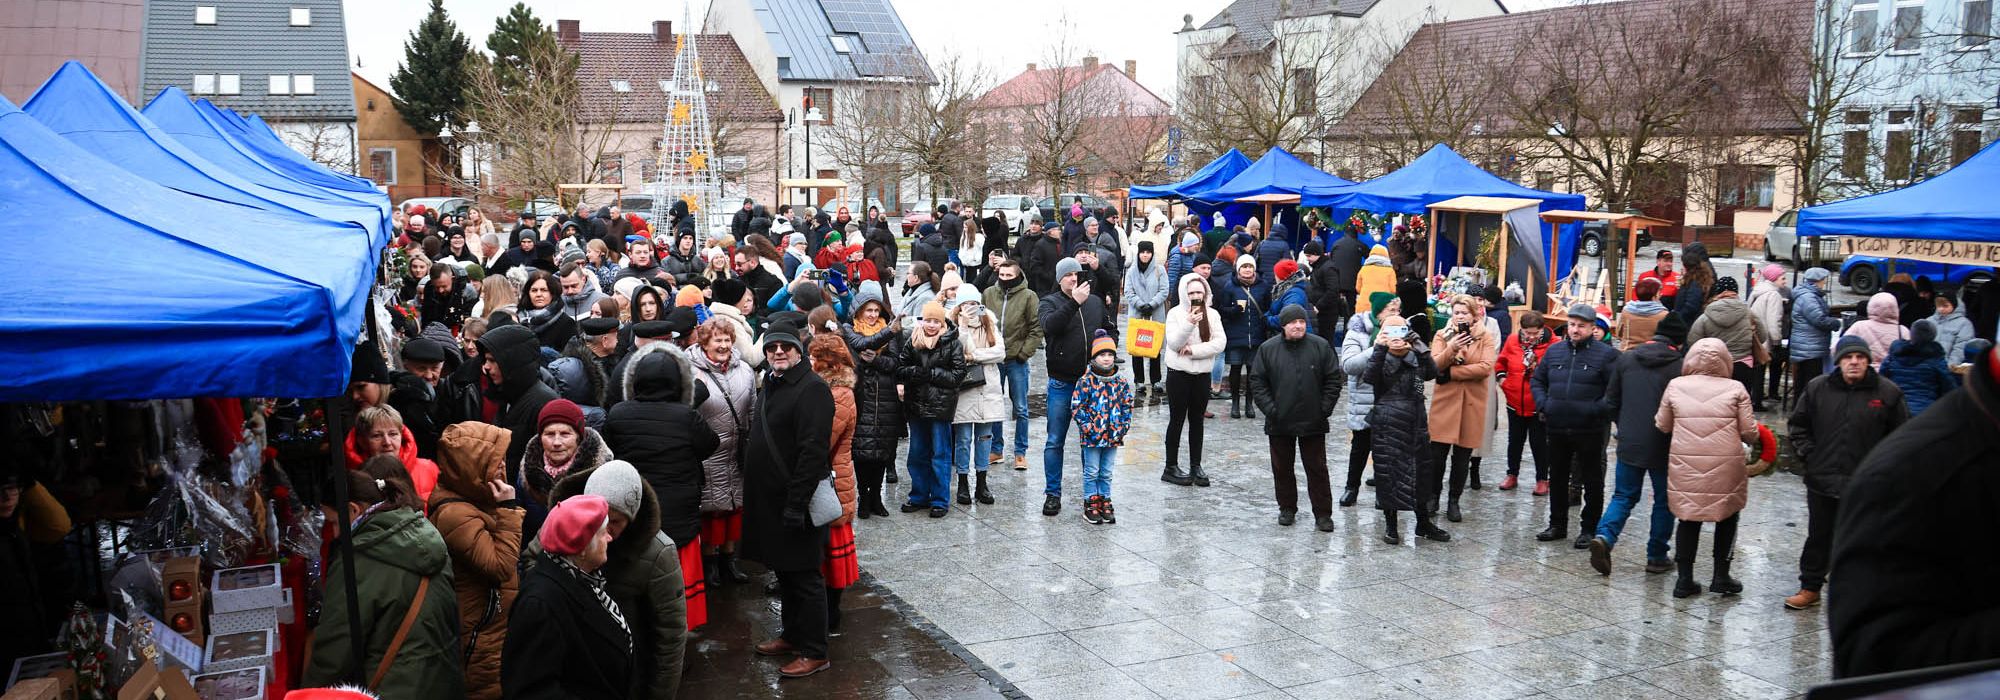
1629, 223
788, 189
1268, 200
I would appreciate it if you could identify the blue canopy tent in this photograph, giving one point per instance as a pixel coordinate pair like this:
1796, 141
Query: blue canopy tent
1958, 205
265, 144
1211, 176
201, 298
1277, 173
174, 114
75, 104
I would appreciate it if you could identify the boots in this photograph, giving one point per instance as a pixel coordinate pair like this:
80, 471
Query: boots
874, 503
1684, 586
730, 571
711, 564
1199, 477
1176, 476
1249, 408
1451, 512
861, 510
1509, 483
964, 490
1720, 582
1390, 533
980, 493
1347, 497
1473, 479
1429, 530
1235, 406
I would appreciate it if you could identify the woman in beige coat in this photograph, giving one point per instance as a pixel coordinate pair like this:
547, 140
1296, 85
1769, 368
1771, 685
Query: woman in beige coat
1708, 415
1463, 351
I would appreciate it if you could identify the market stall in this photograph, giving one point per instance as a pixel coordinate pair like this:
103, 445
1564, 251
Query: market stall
1951, 218
1479, 240
174, 113
1628, 225
265, 142
1277, 173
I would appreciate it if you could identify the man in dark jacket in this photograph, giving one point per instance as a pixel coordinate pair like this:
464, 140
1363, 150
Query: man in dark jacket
1295, 380
779, 478
1018, 309
420, 393
1324, 292
931, 248
763, 285
1039, 251
739, 222
639, 261
1569, 387
1347, 255
447, 299
1914, 520
1073, 234
682, 260
1277, 245
514, 365
1638, 381
1840, 417
1070, 317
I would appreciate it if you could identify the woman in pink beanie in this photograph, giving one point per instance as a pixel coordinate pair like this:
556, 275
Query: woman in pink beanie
567, 637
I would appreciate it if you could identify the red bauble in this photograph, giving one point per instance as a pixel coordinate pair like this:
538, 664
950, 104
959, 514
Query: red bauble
179, 590
183, 622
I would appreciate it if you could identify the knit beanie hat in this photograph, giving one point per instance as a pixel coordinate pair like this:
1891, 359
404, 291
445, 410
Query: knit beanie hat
474, 272
688, 296
369, 366
572, 523
619, 484
562, 411
1722, 284
1772, 272
1286, 268
1923, 331
1851, 344
1203, 259
1672, 329
1066, 267
729, 290
1190, 239
1314, 248
933, 311
1102, 343
1291, 312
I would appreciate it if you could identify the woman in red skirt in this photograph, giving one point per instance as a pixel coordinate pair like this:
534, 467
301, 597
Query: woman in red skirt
732, 385
833, 363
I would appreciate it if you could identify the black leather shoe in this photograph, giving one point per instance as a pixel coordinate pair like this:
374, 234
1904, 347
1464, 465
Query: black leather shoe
1324, 523
1347, 497
940, 511
1199, 477
1552, 533
1432, 532
1582, 541
964, 490
1173, 475
1286, 517
913, 507
1052, 505
1451, 513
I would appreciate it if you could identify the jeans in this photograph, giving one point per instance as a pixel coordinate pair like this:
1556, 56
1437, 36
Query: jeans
1060, 393
1575, 455
969, 446
1310, 449
930, 462
1526, 429
1215, 375
1821, 511
1097, 464
1187, 399
1625, 496
1015, 374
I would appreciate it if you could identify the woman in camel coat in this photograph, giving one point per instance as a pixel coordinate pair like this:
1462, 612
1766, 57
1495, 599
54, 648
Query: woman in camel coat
1709, 416
1464, 352
474, 509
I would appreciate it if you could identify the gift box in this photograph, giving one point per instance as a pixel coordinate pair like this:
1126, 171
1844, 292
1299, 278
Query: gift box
176, 648
37, 689
230, 652
246, 588
251, 619
53, 667
241, 684
154, 683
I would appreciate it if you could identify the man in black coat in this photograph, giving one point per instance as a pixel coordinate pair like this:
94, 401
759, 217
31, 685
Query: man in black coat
931, 248
739, 222
1839, 418
514, 364
1916, 527
1295, 379
658, 430
1348, 254
1325, 290
1039, 251
1638, 381
1569, 387
421, 395
763, 285
1071, 317
795, 407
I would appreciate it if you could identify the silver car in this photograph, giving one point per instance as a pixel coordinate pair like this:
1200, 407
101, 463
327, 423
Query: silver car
1018, 208
1781, 242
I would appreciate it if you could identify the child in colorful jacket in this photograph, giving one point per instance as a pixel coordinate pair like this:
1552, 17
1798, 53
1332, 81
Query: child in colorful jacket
1103, 411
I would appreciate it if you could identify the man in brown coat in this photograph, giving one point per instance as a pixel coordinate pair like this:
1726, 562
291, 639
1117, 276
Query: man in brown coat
474, 509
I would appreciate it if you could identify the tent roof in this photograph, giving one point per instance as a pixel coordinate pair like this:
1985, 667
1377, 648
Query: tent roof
1955, 206
1437, 175
1277, 172
1485, 205
203, 298
265, 144
1215, 174
90, 114
175, 114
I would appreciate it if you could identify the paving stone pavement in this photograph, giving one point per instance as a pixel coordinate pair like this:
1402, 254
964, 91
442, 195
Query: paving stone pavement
1199, 593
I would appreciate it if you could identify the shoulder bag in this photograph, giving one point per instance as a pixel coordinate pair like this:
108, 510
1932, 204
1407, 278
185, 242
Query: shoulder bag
825, 505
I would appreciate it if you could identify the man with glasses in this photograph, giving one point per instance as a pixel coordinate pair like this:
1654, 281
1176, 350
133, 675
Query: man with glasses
788, 456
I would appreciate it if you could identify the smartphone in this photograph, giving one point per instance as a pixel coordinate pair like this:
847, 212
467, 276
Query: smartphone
1397, 332
1464, 328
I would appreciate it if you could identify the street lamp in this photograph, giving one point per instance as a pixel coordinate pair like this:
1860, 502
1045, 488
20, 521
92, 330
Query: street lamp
472, 132
812, 117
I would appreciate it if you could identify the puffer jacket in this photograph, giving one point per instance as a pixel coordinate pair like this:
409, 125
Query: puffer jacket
1570, 383
1288, 292
1835, 423
878, 423
1812, 325
986, 403
1730, 321
1638, 380
1357, 348
643, 575
833, 363
1637, 322
1242, 307
1016, 309
1767, 305
1146, 288
746, 335
658, 430
1882, 328
1919, 370
1400, 435
483, 537
1377, 275
1182, 333
931, 378
731, 390
1516, 367
1275, 247
1709, 415
1954, 330
394, 549
1296, 384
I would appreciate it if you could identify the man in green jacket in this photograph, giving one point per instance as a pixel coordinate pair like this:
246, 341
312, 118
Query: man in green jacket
1021, 330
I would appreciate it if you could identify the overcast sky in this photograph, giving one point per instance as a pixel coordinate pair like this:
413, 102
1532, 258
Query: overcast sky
1003, 36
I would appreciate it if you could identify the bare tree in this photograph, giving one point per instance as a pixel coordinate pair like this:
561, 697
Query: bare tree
1051, 121
1283, 95
934, 134
529, 132
1430, 91
327, 143
1128, 149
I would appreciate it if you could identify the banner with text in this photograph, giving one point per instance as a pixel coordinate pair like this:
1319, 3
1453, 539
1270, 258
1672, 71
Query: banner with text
1950, 252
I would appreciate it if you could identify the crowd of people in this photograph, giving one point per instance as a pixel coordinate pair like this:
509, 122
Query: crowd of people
588, 427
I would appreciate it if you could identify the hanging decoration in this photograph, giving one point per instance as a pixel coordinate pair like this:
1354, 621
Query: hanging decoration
83, 640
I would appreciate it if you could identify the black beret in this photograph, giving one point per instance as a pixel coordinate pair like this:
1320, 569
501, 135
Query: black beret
729, 290
597, 325
681, 321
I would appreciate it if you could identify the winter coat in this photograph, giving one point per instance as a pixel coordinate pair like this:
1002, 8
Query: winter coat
564, 643
1038, 254
1068, 328
1919, 370
1636, 324
746, 336
1399, 437
535, 483
762, 282
1638, 380
658, 430
1459, 405
579, 306
1812, 324
394, 549
1324, 288
1709, 417
1835, 423
1296, 384
553, 326
1287, 293
931, 378
932, 249
643, 576
1569, 386
780, 477
1767, 305
1516, 365
727, 413
426, 409
1376, 275
1182, 333
522, 393
1275, 247
583, 378
1347, 256
879, 423
840, 445
1357, 348
483, 537
1242, 308
450, 308
1146, 291
682, 266
1918, 510
986, 403
1102, 409
1730, 321
1954, 330
1017, 310
910, 307
1881, 328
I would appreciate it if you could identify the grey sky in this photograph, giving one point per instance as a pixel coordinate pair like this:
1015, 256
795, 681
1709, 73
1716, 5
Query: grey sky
1002, 36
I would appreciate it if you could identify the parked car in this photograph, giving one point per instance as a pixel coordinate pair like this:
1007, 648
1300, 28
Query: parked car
641, 204
1018, 208
455, 206
1597, 233
854, 207
924, 214
1865, 274
543, 208
1048, 204
1781, 242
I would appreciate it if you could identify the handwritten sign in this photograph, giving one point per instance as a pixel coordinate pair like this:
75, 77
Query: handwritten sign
1949, 252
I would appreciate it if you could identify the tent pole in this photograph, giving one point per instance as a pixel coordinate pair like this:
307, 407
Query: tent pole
1555, 242
1500, 264
1631, 259
1431, 253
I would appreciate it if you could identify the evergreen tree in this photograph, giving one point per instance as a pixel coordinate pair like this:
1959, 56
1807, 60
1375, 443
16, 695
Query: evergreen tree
430, 85
515, 35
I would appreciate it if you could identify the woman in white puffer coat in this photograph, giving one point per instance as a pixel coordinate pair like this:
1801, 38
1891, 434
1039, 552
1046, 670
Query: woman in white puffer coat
975, 424
1194, 338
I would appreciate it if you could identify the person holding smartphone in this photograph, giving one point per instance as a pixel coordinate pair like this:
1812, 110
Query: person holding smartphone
1398, 434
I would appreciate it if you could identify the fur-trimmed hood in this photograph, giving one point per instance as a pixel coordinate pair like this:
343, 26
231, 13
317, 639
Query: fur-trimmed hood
658, 372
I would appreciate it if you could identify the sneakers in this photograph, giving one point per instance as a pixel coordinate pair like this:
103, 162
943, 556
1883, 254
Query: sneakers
1432, 532
1802, 600
1542, 487
1020, 463
912, 507
1110, 515
1510, 482
1052, 506
939, 511
1093, 510
1600, 555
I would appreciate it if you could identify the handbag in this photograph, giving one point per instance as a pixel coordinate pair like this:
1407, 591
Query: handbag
825, 504
1145, 338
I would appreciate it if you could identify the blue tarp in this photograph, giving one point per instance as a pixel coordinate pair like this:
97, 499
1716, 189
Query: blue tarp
1439, 174
265, 144
193, 297
1958, 205
1211, 176
83, 109
1278, 172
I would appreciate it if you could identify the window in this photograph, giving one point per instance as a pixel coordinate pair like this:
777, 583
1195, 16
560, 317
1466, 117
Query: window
711, 86
823, 99
1305, 81
649, 170
1862, 25
841, 45
204, 14
621, 86
229, 84
302, 16
1897, 149
1854, 154
1909, 27
612, 170
1976, 23
204, 84
1545, 181
1966, 140
302, 85
667, 86
1856, 116
382, 165
1746, 186
281, 85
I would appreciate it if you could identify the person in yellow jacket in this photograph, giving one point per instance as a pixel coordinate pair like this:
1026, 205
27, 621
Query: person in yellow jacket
1376, 275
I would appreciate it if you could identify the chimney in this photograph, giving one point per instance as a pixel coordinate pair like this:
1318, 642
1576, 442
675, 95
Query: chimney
663, 32
1031, 68
1089, 62
1132, 70
568, 31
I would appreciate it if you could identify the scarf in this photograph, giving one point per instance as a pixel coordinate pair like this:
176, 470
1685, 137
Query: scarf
867, 327
595, 582
922, 341
556, 471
